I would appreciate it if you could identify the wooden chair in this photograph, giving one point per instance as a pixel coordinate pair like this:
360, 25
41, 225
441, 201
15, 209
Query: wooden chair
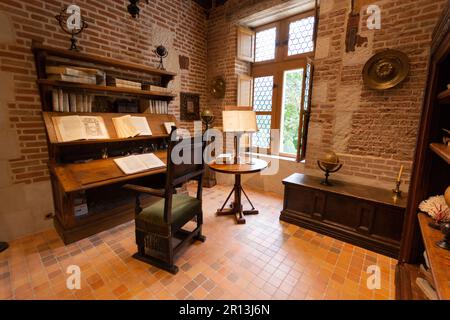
159, 227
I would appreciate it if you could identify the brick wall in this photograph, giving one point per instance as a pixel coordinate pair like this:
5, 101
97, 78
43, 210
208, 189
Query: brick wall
374, 132
178, 24
111, 33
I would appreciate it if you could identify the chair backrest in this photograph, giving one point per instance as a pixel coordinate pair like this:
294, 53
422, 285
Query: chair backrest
184, 162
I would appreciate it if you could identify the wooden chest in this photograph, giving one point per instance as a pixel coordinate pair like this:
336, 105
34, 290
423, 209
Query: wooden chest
361, 215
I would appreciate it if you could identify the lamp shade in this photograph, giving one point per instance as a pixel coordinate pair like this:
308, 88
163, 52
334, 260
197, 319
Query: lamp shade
239, 121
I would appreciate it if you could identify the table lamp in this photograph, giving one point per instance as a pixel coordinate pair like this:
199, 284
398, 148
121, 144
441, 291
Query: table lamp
239, 122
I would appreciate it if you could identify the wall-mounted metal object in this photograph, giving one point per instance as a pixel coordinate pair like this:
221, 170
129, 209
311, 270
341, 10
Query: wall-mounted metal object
162, 53
72, 23
386, 69
134, 9
218, 87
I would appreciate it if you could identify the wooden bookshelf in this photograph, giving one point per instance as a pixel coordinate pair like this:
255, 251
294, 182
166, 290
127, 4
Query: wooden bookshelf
441, 150
48, 56
444, 97
43, 50
78, 174
439, 259
430, 177
108, 89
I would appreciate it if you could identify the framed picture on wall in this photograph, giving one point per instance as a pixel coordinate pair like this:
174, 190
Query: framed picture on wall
190, 106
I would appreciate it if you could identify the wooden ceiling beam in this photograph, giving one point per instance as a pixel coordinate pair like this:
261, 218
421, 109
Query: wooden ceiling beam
208, 4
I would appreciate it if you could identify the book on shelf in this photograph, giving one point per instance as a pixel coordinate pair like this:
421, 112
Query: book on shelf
77, 72
71, 102
122, 83
71, 71
154, 106
66, 102
80, 206
73, 128
73, 99
150, 87
139, 163
73, 79
129, 127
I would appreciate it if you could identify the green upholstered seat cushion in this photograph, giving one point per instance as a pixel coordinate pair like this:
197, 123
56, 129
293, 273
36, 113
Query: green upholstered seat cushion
184, 208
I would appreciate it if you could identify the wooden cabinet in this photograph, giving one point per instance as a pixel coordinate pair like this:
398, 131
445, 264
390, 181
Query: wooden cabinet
361, 215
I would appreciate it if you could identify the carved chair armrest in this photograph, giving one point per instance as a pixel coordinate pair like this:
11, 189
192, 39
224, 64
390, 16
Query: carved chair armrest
140, 189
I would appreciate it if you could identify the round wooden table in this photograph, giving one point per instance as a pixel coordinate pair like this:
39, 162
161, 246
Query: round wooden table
236, 209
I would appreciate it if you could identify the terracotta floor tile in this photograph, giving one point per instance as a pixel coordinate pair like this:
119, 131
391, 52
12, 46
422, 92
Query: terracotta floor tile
263, 259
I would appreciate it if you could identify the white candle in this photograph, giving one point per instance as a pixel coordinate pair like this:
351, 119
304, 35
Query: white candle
400, 174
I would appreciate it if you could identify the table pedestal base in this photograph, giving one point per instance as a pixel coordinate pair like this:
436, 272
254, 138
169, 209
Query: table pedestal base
236, 208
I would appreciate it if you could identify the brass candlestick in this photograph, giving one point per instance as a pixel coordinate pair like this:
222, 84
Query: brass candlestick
397, 192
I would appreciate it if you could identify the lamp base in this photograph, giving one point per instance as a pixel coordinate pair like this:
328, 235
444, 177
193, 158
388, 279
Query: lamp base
3, 246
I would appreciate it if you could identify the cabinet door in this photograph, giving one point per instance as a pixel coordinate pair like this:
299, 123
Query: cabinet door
342, 210
298, 200
366, 216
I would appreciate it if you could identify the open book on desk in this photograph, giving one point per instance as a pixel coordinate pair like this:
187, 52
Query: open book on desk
73, 128
130, 127
138, 163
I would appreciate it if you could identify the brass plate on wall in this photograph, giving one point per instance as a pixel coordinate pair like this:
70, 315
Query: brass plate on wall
386, 69
218, 87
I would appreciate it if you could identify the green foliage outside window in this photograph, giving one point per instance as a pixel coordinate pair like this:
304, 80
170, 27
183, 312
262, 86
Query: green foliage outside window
291, 115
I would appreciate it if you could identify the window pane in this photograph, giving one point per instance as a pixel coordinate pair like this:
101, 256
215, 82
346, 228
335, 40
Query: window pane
301, 36
261, 139
263, 92
292, 96
265, 45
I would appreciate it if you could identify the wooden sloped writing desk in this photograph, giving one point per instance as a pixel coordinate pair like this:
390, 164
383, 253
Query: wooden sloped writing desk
75, 177
98, 183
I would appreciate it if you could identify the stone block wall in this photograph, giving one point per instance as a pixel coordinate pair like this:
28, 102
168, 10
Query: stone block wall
373, 132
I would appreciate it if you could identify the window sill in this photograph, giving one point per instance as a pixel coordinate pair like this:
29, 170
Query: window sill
271, 156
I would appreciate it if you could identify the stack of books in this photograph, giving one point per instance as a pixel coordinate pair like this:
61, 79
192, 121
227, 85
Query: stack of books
150, 87
71, 102
73, 74
154, 106
122, 83
80, 205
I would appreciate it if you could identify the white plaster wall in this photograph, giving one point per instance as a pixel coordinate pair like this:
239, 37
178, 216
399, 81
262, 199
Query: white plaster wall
22, 207
264, 181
